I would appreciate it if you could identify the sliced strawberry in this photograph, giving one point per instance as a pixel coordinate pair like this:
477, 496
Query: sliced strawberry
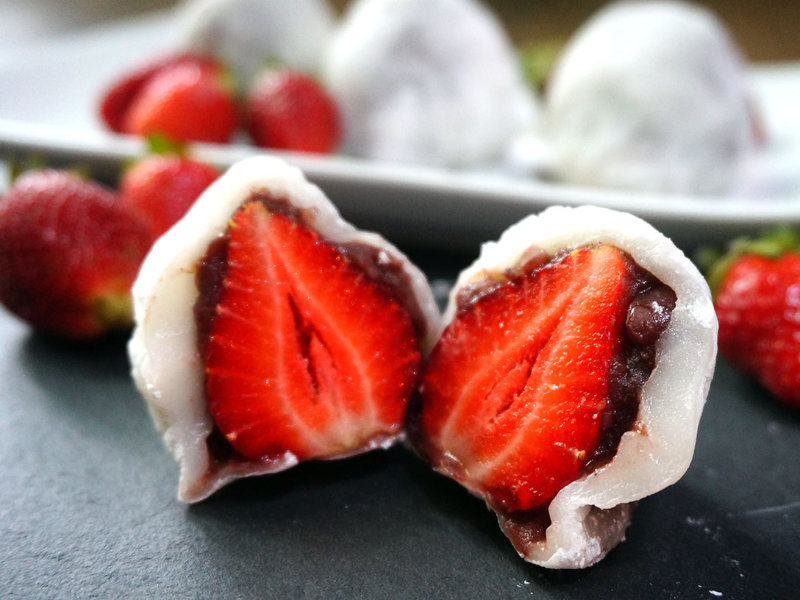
305, 353
515, 390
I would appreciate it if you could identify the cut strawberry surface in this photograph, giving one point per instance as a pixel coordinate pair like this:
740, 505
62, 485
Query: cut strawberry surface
515, 390
304, 353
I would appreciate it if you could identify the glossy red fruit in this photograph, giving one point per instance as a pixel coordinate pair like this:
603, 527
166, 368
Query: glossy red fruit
514, 392
758, 307
184, 102
305, 354
163, 187
69, 252
116, 100
289, 110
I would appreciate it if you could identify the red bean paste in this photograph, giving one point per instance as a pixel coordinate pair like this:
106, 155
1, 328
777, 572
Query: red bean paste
379, 266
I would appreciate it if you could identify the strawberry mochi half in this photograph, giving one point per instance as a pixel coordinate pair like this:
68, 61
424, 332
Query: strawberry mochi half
569, 379
270, 331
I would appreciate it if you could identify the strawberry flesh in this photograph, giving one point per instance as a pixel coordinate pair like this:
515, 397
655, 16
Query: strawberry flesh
537, 377
303, 352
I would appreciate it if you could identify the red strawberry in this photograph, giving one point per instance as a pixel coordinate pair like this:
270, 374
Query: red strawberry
289, 110
516, 391
163, 187
117, 100
184, 102
305, 353
757, 299
69, 252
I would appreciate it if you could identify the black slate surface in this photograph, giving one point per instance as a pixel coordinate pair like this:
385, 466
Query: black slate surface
88, 508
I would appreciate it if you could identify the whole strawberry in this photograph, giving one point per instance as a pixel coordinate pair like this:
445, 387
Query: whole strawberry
163, 187
69, 252
289, 110
184, 97
756, 290
116, 100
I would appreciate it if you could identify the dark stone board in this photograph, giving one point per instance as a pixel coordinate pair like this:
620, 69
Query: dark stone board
88, 507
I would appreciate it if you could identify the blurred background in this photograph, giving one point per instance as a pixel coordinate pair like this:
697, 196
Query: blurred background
765, 31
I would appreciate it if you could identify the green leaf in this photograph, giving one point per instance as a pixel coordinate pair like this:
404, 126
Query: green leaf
537, 61
162, 144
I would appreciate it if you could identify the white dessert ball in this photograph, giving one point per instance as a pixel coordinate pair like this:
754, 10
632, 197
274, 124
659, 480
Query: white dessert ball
650, 96
427, 81
247, 34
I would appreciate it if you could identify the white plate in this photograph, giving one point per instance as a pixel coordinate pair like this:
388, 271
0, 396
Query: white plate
48, 108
